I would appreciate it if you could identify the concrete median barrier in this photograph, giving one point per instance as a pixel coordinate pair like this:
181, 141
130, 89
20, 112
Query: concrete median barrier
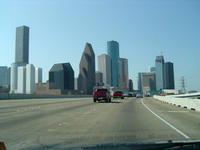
192, 104
2, 146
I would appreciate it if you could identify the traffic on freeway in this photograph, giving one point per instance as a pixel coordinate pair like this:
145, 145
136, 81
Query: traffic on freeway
99, 74
73, 123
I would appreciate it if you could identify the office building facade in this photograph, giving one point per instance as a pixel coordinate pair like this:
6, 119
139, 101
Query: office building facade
130, 85
123, 73
21, 57
148, 82
22, 45
30, 79
86, 78
113, 52
21, 80
4, 77
140, 81
61, 76
13, 78
104, 66
38, 75
99, 78
169, 75
160, 72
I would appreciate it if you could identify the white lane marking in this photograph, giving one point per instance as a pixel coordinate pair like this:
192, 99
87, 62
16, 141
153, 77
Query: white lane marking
167, 123
175, 111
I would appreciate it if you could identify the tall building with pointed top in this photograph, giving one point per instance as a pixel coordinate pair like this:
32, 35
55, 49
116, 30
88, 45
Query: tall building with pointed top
113, 52
86, 78
160, 72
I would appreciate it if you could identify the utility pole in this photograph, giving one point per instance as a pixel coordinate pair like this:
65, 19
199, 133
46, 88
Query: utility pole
183, 89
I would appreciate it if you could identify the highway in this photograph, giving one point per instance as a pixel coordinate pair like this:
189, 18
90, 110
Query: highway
37, 124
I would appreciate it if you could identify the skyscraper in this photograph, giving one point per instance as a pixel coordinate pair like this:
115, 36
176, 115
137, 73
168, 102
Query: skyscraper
104, 66
148, 82
140, 80
169, 75
130, 85
38, 75
21, 56
113, 52
61, 76
22, 45
123, 73
160, 72
86, 78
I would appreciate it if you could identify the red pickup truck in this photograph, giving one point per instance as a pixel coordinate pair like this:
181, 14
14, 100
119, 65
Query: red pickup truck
118, 94
101, 94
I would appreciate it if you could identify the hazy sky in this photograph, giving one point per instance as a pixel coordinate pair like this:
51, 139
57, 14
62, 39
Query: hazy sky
59, 30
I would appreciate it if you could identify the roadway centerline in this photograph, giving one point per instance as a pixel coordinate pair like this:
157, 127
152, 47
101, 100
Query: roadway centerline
167, 123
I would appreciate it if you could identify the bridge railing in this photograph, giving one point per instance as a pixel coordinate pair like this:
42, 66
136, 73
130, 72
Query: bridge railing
193, 104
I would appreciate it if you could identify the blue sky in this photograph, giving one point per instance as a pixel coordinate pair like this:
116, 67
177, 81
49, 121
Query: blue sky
59, 30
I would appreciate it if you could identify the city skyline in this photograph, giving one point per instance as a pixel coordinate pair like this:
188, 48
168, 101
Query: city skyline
139, 42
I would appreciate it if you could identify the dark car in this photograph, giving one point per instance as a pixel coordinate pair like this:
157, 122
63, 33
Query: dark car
118, 94
101, 94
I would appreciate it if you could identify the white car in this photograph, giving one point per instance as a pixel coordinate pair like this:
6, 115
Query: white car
139, 95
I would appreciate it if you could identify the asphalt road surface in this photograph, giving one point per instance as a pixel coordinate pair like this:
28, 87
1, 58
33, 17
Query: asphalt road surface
67, 123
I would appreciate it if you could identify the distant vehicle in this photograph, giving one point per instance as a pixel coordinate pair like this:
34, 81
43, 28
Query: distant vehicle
130, 94
139, 95
134, 94
118, 94
126, 94
101, 94
147, 95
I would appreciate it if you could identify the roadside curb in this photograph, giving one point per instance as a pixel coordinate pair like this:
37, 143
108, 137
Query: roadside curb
191, 104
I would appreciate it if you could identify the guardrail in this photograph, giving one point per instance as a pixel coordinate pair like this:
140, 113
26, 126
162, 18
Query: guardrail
192, 104
31, 96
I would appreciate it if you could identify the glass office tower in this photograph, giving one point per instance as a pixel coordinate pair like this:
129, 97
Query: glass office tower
160, 72
113, 52
169, 75
22, 45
